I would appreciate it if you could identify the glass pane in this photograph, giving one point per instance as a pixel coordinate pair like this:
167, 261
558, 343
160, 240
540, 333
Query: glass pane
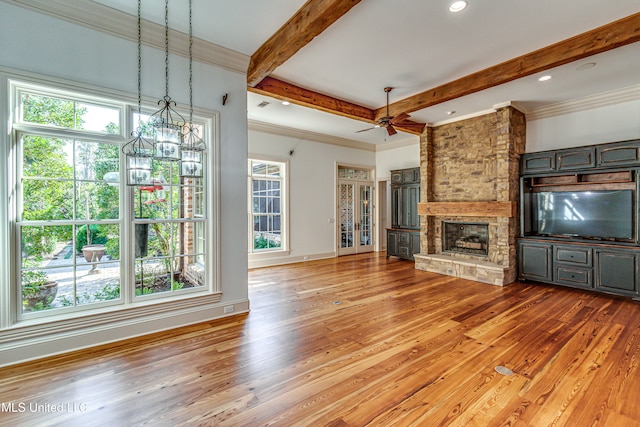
47, 110
365, 215
162, 238
47, 157
49, 244
142, 121
93, 161
47, 200
152, 277
98, 118
258, 168
193, 274
152, 202
39, 291
273, 170
96, 200
346, 215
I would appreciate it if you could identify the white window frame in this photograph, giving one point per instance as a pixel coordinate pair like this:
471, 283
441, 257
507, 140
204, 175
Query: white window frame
12, 83
284, 249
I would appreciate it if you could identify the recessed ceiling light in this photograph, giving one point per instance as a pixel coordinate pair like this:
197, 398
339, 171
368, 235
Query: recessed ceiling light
286, 103
586, 66
457, 6
451, 112
544, 78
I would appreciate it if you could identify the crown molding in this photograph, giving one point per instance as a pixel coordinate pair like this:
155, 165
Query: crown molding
102, 18
259, 126
401, 143
631, 93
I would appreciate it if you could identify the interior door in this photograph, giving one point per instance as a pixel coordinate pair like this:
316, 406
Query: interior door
355, 210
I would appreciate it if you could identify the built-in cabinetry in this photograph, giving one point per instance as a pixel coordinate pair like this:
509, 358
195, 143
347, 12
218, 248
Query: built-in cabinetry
403, 238
602, 263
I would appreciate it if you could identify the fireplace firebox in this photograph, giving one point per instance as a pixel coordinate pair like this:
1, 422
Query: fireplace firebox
470, 238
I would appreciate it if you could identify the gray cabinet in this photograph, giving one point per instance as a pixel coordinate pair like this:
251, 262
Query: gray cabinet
402, 243
600, 267
403, 238
617, 271
612, 155
535, 261
404, 206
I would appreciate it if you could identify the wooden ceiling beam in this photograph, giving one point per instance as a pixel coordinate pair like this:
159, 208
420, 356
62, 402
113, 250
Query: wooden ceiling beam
279, 89
310, 20
611, 36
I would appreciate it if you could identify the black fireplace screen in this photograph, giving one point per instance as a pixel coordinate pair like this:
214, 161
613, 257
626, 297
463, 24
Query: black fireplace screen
465, 237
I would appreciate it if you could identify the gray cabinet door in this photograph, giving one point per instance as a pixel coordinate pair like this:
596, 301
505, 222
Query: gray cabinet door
392, 243
625, 153
616, 271
411, 198
582, 158
535, 261
538, 163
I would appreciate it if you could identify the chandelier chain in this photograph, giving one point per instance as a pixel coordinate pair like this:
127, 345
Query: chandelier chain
190, 67
139, 60
166, 47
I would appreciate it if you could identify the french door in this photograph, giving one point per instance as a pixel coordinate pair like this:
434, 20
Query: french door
355, 210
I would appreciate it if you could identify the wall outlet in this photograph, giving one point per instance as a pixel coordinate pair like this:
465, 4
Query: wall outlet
306, 258
228, 309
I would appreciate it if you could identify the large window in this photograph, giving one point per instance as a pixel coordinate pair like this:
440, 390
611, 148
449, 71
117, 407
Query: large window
267, 181
83, 238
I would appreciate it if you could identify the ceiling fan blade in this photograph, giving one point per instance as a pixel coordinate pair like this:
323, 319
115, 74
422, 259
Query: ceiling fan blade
390, 130
400, 117
364, 130
412, 125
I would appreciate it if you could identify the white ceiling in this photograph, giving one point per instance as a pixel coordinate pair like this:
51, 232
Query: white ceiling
411, 45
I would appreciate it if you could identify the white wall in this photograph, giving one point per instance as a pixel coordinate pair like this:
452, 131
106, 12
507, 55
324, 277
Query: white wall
312, 189
617, 122
397, 158
51, 47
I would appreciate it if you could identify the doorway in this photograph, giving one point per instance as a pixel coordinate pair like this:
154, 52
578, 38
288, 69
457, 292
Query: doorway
355, 211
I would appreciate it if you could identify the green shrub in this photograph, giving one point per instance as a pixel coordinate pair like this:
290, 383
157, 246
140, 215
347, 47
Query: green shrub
96, 237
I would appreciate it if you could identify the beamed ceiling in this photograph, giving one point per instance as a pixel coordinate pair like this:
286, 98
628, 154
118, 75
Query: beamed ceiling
332, 59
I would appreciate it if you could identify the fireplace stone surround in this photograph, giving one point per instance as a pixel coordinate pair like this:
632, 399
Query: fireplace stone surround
470, 173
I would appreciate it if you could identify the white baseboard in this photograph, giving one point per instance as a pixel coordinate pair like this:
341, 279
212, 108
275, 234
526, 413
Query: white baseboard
269, 262
23, 348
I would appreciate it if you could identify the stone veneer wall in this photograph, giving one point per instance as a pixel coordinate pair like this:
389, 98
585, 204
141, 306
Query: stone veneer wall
473, 160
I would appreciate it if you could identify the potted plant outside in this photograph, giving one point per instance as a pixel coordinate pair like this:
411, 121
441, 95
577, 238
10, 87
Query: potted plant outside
38, 292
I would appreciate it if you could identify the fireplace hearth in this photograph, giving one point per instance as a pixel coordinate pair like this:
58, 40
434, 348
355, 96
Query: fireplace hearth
469, 238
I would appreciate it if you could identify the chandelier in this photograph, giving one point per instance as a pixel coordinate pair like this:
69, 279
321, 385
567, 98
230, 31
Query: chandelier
175, 140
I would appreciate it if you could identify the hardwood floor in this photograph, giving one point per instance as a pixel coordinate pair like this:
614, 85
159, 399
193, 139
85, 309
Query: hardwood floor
357, 341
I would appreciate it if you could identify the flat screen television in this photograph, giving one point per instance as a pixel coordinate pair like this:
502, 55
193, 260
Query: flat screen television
602, 214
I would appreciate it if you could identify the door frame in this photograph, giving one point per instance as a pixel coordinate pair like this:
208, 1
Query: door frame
373, 209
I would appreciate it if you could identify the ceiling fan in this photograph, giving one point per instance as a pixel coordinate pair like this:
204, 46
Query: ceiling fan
388, 121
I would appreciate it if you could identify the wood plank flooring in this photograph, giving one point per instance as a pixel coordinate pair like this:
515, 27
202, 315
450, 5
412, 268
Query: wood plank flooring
357, 341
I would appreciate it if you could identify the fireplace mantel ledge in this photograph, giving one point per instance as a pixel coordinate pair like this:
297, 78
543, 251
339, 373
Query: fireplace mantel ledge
488, 209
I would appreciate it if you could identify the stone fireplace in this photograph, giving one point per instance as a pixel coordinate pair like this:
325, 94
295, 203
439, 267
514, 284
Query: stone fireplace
470, 179
466, 238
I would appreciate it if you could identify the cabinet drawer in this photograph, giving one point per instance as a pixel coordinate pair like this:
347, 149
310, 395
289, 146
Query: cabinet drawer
574, 276
404, 252
573, 255
403, 238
